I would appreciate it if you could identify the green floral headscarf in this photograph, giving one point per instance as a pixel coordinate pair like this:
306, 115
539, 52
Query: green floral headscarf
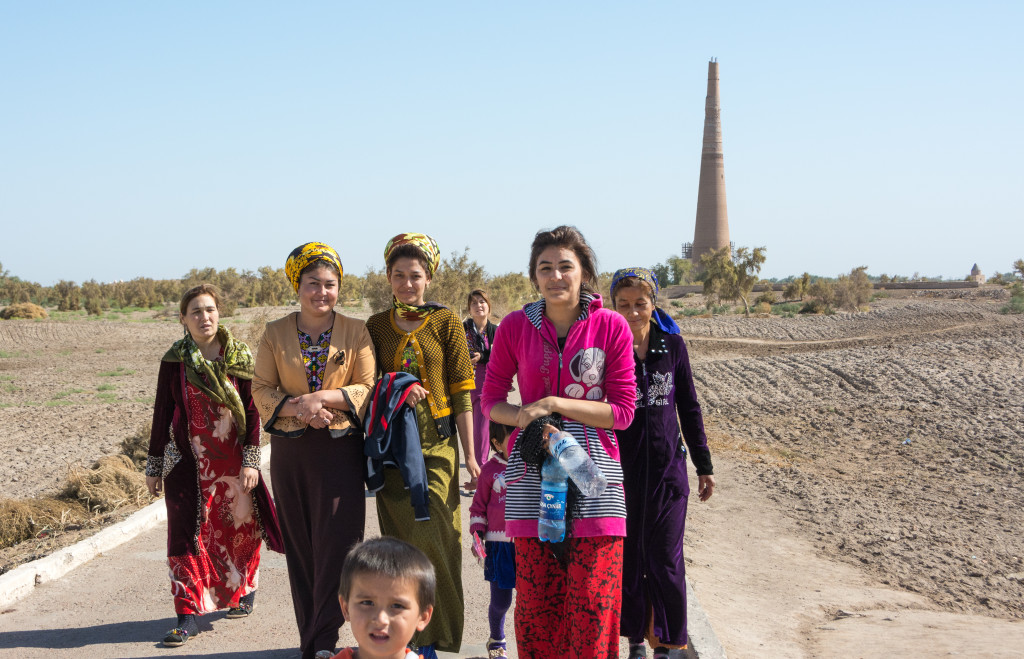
212, 377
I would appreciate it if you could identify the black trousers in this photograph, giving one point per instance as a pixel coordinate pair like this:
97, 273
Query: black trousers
319, 492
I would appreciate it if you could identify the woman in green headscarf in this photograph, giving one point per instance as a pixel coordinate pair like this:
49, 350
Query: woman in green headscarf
204, 452
428, 340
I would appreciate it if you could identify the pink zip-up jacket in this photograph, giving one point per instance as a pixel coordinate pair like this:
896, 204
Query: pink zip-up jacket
487, 513
596, 364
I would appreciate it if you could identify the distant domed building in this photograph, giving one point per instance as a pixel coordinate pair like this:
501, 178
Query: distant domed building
976, 275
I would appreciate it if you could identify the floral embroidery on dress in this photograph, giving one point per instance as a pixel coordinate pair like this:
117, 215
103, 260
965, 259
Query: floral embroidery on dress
314, 357
409, 362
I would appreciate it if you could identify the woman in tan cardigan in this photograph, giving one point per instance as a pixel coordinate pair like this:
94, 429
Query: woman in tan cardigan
314, 372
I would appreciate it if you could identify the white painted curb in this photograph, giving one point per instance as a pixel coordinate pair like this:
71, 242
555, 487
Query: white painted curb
703, 641
20, 581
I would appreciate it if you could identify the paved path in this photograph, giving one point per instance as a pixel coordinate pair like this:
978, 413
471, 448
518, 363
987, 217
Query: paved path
119, 605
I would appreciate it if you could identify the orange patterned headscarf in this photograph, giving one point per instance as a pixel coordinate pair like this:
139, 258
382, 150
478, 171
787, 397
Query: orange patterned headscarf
307, 253
421, 241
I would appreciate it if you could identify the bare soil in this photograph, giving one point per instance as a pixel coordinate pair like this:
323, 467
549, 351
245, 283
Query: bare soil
869, 464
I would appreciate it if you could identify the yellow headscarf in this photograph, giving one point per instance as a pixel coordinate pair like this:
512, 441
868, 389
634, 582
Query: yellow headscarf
421, 241
307, 253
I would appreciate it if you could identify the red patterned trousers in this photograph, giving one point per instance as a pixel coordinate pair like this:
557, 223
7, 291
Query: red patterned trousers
570, 612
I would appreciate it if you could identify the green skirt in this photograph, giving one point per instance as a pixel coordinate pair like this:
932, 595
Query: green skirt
440, 537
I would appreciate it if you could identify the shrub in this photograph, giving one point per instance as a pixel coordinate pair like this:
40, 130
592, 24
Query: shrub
69, 296
1016, 304
377, 289
763, 307
26, 310
813, 306
853, 291
455, 278
787, 308
824, 291
767, 295
509, 292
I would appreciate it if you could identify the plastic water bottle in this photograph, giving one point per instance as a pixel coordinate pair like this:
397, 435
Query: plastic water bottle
581, 469
554, 484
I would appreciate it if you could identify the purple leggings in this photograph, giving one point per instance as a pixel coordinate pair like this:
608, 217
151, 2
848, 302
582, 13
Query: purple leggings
501, 600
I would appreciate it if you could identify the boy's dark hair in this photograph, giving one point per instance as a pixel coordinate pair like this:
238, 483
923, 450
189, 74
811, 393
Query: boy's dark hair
394, 558
499, 431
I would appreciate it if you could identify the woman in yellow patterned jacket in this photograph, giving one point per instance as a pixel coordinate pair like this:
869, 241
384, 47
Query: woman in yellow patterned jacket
428, 340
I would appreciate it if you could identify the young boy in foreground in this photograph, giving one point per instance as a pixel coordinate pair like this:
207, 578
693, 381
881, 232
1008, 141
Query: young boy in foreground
387, 595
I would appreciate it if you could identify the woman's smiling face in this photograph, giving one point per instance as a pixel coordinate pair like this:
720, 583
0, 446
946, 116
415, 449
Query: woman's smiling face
318, 291
479, 309
558, 275
409, 280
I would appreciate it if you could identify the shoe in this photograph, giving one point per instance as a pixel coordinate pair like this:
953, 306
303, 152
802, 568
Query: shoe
186, 629
637, 651
496, 648
323, 654
245, 606
661, 653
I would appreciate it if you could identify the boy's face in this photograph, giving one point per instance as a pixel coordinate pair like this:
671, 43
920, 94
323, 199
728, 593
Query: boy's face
384, 614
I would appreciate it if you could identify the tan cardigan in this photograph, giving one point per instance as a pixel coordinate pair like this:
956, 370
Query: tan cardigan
280, 374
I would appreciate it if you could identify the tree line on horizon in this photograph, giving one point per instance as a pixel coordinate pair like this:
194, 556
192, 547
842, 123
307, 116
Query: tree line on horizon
724, 276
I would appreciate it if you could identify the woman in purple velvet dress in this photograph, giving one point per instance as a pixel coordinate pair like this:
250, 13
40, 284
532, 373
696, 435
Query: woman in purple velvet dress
654, 470
204, 453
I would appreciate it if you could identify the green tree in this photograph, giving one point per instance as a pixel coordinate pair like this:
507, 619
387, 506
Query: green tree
1018, 267
731, 278
68, 296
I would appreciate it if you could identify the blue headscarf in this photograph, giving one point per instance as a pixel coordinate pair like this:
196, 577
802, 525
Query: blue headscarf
660, 316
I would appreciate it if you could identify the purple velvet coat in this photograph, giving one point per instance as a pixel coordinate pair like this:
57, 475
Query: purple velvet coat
181, 484
656, 486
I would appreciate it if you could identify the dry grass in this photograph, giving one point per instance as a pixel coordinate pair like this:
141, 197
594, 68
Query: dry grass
35, 518
112, 481
136, 446
25, 310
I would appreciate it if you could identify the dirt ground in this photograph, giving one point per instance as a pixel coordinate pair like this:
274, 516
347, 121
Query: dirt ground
868, 465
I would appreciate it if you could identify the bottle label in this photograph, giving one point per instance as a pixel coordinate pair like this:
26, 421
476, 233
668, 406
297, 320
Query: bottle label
552, 505
563, 440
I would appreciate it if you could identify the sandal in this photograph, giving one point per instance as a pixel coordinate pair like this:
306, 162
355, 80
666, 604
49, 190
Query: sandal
186, 629
496, 649
245, 606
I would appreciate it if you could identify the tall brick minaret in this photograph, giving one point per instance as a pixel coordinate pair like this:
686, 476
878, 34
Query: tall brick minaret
712, 228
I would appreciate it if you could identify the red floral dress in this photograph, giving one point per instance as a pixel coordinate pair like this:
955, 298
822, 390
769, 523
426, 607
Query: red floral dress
227, 565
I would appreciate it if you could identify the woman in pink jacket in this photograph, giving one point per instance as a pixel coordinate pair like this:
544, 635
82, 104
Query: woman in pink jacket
574, 358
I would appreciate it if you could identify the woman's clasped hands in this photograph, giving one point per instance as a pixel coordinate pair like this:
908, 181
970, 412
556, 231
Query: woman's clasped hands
310, 410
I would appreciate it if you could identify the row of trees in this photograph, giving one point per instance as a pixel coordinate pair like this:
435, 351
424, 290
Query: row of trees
725, 277
267, 286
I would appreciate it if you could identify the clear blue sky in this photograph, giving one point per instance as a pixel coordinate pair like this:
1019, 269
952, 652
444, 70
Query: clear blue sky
146, 138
